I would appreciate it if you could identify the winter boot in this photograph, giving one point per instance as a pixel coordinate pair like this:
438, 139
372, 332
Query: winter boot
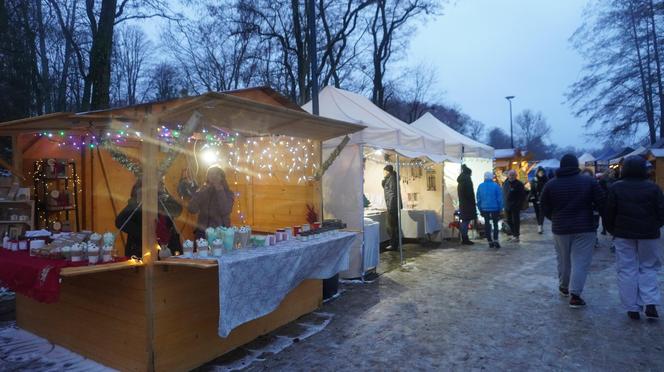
539, 229
651, 312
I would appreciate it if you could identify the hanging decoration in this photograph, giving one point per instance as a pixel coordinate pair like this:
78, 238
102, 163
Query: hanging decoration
414, 163
333, 156
121, 158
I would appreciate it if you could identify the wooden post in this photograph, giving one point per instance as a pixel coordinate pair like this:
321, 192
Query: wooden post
150, 185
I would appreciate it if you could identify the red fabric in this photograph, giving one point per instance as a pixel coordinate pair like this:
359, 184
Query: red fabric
34, 277
163, 230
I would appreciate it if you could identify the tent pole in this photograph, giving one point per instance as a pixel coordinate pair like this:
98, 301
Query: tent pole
399, 207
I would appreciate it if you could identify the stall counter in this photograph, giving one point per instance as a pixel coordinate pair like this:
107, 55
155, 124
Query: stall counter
103, 313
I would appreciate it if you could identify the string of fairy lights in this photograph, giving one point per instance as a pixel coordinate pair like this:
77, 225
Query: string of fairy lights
280, 159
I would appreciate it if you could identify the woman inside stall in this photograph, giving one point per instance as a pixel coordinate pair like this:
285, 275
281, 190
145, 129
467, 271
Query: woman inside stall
213, 202
129, 220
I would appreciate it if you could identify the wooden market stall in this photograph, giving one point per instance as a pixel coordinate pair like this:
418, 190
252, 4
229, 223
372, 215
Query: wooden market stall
150, 314
511, 159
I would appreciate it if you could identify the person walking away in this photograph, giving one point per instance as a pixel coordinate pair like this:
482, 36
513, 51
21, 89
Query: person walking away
537, 185
514, 193
467, 205
596, 215
490, 203
391, 201
568, 200
634, 215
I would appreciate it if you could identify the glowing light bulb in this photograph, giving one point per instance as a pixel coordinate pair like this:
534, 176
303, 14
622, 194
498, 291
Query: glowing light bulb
210, 156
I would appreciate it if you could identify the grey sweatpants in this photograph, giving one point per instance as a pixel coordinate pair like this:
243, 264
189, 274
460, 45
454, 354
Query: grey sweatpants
637, 263
574, 253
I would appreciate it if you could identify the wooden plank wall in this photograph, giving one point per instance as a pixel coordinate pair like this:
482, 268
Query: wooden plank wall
187, 317
659, 172
101, 316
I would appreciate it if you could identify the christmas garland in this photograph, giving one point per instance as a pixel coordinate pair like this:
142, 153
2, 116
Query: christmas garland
333, 156
121, 158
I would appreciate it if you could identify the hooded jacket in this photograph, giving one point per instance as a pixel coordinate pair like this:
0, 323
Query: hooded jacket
537, 185
635, 206
466, 193
569, 199
489, 197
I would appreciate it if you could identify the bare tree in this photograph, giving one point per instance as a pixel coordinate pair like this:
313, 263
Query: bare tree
164, 82
212, 53
390, 27
416, 89
621, 87
99, 19
474, 129
131, 51
531, 126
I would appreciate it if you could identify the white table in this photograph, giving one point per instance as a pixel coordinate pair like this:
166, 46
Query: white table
365, 252
419, 223
379, 216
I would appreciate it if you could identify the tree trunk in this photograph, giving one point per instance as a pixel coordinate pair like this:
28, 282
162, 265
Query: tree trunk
302, 60
100, 56
658, 64
647, 100
45, 74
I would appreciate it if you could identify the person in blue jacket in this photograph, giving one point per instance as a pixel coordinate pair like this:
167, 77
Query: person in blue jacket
490, 203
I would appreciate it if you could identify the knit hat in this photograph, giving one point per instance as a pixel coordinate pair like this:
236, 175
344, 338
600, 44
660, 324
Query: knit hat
488, 175
389, 168
569, 161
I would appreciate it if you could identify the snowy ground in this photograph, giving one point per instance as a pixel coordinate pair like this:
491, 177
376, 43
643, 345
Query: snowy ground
450, 309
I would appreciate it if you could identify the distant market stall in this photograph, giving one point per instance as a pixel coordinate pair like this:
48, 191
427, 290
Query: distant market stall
511, 159
156, 312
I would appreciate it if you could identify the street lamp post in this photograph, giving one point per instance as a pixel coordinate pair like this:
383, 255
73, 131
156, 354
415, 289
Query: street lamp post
509, 99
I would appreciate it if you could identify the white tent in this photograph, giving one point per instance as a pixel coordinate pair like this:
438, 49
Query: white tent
344, 182
456, 144
383, 131
585, 158
477, 156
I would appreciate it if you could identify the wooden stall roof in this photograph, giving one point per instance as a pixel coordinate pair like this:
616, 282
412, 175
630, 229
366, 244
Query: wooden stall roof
242, 115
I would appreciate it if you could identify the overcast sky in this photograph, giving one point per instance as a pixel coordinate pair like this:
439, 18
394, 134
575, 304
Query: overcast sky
484, 50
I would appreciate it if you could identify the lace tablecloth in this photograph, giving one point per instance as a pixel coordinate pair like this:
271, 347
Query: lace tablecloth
253, 282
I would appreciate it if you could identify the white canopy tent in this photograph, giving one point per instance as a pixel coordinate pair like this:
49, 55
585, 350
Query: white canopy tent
585, 158
344, 180
456, 144
476, 155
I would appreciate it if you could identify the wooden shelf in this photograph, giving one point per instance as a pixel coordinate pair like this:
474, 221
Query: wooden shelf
16, 222
60, 209
188, 262
17, 201
99, 268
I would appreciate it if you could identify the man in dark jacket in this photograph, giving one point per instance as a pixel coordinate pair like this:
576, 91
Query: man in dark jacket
536, 187
607, 179
568, 201
467, 205
634, 215
391, 191
514, 193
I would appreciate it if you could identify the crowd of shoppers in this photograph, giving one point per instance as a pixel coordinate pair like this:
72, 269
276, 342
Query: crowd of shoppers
630, 206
